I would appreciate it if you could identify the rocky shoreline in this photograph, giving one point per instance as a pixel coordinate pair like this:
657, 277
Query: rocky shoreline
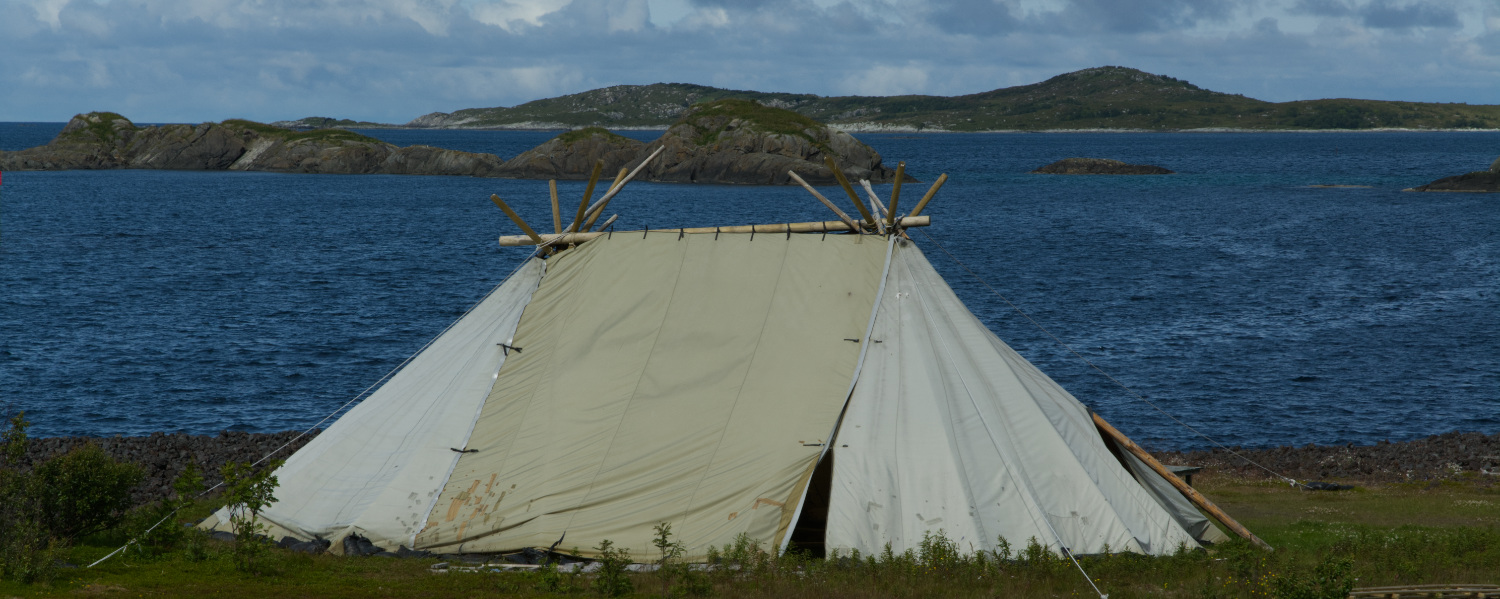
1445, 457
162, 457
1449, 456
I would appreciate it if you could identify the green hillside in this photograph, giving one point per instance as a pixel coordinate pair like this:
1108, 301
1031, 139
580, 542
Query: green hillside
1097, 98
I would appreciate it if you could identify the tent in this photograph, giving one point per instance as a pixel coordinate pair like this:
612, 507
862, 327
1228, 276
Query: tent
823, 388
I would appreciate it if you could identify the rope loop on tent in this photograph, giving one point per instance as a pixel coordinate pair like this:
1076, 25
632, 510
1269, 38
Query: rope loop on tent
1294, 482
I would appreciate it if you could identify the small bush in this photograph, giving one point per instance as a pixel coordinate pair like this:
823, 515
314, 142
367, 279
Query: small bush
28, 549
248, 492
84, 491
613, 580
1331, 579
154, 527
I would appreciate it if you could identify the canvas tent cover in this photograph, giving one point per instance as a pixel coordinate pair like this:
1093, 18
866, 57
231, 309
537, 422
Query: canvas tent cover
699, 380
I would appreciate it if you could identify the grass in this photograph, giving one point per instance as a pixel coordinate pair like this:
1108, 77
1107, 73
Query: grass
326, 135
1388, 535
102, 130
718, 114
571, 137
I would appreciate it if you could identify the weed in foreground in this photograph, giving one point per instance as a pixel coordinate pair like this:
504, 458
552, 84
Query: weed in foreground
249, 491
612, 578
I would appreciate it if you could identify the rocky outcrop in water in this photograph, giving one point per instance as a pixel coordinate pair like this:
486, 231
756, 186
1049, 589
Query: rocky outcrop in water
104, 140
743, 142
1477, 181
727, 141
571, 155
1099, 166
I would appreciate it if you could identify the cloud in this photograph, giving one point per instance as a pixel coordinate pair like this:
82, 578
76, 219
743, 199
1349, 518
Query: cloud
1323, 8
511, 15
1389, 15
393, 60
975, 17
885, 80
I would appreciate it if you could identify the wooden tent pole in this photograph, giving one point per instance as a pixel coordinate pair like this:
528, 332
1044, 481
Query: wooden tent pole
890, 216
517, 218
618, 176
598, 207
875, 206
848, 189
1192, 494
943, 178
556, 212
588, 194
843, 217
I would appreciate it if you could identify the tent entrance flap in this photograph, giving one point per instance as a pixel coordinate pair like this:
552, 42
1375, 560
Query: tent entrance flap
811, 527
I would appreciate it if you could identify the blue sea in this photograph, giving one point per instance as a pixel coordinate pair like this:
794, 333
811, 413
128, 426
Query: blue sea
1234, 295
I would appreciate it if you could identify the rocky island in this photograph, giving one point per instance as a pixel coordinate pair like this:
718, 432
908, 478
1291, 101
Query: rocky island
572, 154
745, 142
105, 140
1475, 182
725, 141
1099, 166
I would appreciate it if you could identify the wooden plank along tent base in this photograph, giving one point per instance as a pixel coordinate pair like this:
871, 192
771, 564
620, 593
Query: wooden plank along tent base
827, 226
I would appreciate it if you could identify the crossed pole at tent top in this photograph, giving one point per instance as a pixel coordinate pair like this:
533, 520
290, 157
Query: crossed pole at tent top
874, 217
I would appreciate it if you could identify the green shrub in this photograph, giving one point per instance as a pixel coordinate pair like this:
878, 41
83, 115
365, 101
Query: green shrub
248, 493
613, 580
1331, 579
84, 491
154, 526
28, 550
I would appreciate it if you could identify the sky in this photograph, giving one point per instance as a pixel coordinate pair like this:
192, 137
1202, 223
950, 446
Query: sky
395, 60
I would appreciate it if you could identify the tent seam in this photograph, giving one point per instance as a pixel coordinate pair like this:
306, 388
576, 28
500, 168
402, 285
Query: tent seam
676, 281
740, 392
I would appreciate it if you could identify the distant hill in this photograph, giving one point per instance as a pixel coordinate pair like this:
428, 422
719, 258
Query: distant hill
1097, 98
